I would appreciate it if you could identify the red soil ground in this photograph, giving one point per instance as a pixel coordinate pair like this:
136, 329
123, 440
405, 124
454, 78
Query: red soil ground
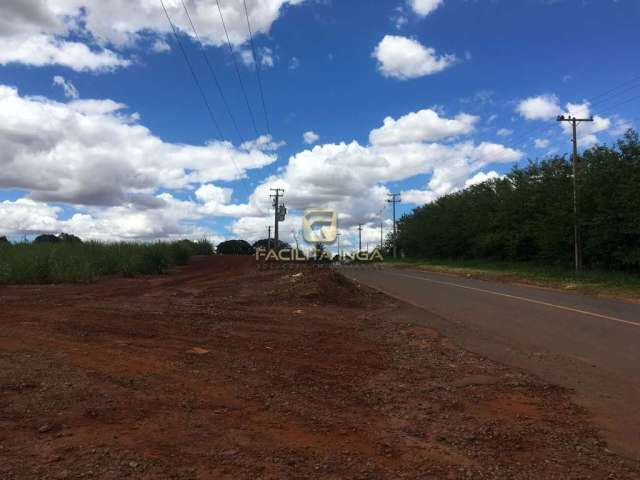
221, 371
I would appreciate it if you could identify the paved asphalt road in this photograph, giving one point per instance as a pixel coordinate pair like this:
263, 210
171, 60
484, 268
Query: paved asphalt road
588, 344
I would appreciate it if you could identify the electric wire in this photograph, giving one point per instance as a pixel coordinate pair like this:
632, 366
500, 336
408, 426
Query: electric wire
624, 102
527, 135
604, 94
241, 175
237, 69
213, 73
615, 95
193, 72
257, 65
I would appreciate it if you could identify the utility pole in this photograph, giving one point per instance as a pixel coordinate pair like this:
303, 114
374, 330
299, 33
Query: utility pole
394, 199
359, 237
269, 238
338, 235
295, 237
280, 212
381, 237
574, 160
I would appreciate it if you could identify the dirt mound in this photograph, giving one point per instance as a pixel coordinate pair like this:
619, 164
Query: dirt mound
323, 286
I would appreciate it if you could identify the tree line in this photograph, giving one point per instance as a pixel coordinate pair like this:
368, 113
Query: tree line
528, 214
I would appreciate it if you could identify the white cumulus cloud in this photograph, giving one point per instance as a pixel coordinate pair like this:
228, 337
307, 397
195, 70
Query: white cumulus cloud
25, 216
543, 107
425, 125
43, 50
547, 107
425, 7
90, 152
418, 197
587, 131
264, 143
310, 137
88, 34
405, 58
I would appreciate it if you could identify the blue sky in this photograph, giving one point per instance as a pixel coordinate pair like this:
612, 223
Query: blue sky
468, 88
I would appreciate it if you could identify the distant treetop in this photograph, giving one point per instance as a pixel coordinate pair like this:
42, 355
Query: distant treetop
235, 247
62, 238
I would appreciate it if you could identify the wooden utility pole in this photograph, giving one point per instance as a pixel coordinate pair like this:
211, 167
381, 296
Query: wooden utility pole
269, 238
278, 214
394, 199
574, 160
359, 237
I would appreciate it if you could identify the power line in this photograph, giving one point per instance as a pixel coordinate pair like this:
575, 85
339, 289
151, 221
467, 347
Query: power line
257, 64
235, 64
213, 73
241, 175
527, 135
592, 101
193, 72
624, 102
611, 97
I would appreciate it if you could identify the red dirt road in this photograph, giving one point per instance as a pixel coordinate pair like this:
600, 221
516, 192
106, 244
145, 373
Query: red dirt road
202, 375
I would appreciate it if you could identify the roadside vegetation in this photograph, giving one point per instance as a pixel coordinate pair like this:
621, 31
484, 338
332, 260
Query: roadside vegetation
527, 216
594, 282
66, 259
520, 227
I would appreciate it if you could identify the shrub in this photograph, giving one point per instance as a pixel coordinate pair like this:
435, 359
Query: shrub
155, 260
46, 238
68, 238
265, 243
235, 247
181, 252
203, 247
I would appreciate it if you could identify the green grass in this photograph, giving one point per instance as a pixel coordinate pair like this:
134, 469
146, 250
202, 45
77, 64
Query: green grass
63, 262
615, 284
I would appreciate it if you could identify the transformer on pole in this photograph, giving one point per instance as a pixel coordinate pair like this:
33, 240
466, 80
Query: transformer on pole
280, 214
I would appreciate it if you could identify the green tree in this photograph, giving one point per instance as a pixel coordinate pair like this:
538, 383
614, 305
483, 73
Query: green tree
528, 215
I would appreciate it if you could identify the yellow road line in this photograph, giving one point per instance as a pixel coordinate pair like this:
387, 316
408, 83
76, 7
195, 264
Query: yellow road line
523, 299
